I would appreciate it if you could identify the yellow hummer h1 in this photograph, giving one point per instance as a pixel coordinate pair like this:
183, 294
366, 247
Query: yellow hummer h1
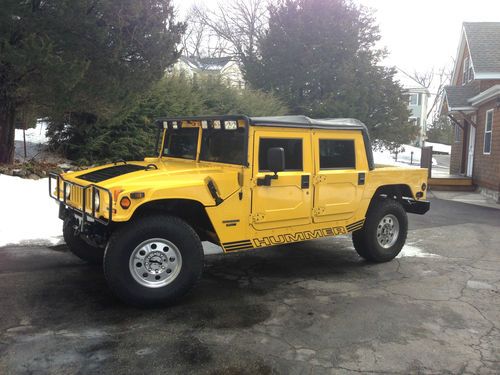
242, 183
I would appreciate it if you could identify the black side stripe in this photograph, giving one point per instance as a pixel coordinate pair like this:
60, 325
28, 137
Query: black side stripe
355, 226
239, 248
236, 242
238, 245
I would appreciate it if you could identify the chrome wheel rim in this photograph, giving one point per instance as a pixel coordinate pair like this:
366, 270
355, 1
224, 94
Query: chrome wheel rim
388, 231
155, 263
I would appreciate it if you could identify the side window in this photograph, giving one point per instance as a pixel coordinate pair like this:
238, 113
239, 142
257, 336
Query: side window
336, 154
488, 127
293, 152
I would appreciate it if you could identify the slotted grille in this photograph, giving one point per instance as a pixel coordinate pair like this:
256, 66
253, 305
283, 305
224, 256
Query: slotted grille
76, 196
110, 172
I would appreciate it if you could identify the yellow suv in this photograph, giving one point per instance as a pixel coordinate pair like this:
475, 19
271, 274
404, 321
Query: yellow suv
240, 182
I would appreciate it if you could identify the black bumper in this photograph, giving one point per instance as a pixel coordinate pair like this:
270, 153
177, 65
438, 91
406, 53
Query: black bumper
413, 206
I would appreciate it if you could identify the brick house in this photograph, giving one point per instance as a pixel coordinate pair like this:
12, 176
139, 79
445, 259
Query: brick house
472, 102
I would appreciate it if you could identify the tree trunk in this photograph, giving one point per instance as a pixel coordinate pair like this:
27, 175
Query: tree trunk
7, 131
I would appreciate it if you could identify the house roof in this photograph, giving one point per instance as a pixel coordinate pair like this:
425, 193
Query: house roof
483, 39
207, 63
458, 96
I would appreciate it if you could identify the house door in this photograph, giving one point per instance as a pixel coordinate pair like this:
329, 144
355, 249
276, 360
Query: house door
470, 150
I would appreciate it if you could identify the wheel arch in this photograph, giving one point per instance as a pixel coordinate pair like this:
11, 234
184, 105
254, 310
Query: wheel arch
191, 211
402, 194
395, 191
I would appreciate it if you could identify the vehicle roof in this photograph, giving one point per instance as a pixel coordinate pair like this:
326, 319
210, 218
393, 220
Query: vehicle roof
307, 122
294, 121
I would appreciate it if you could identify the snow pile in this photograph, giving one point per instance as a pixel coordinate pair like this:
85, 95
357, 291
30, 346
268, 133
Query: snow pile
408, 157
27, 214
439, 147
34, 135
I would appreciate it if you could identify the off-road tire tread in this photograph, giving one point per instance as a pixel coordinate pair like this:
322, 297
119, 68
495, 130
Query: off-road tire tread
364, 239
144, 223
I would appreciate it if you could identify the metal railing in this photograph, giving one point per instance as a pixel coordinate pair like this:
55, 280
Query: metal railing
79, 197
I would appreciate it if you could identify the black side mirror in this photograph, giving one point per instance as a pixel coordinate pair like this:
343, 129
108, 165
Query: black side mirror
276, 159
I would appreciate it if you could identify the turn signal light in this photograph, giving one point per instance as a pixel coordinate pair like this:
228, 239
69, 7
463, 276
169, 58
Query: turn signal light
424, 186
125, 202
419, 194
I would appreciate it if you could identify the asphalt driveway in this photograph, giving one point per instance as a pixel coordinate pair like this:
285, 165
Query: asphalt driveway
308, 308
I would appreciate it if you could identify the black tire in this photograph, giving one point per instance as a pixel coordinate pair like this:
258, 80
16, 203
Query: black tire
78, 246
126, 241
365, 240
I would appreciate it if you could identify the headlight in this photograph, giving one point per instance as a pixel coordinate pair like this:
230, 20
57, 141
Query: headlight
97, 200
67, 191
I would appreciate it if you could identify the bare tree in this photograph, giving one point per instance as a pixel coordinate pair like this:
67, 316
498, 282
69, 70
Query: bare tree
233, 28
433, 80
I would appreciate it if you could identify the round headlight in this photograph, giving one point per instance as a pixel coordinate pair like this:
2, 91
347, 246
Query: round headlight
67, 191
97, 200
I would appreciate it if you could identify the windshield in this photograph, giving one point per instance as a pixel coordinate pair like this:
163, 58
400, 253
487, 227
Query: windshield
181, 143
223, 146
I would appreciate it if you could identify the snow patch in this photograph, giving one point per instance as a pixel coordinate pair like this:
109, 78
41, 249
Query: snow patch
409, 157
413, 251
34, 135
27, 215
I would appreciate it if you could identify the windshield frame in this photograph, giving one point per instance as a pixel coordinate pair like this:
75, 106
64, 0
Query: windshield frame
196, 153
194, 122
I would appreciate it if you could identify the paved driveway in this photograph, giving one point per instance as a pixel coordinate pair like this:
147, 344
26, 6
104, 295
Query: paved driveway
314, 307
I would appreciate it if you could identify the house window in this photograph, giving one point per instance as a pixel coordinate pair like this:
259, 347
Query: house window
336, 154
488, 127
458, 133
467, 73
414, 99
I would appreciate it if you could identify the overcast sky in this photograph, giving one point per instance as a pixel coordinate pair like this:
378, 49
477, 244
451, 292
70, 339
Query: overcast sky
419, 34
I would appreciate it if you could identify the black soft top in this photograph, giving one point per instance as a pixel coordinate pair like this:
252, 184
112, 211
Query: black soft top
307, 122
295, 121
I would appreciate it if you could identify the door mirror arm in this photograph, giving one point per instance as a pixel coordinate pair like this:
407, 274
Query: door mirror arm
275, 163
266, 180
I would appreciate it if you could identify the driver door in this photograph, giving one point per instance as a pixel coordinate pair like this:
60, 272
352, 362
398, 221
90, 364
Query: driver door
287, 201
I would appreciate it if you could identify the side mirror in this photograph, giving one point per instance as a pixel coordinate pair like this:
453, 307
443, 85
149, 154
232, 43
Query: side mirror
276, 159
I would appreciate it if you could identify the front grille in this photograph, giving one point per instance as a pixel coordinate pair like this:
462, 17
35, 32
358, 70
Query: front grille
76, 196
110, 172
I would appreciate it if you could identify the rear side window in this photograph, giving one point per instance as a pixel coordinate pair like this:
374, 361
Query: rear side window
336, 154
293, 152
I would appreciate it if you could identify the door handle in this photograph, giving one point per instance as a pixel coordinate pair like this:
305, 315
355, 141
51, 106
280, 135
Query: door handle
361, 178
304, 181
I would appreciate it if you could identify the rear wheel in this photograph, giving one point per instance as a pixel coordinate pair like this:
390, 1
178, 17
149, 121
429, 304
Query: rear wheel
384, 233
78, 246
153, 261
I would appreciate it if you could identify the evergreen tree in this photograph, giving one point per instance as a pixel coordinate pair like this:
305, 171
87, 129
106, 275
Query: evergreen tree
440, 131
319, 56
131, 134
79, 60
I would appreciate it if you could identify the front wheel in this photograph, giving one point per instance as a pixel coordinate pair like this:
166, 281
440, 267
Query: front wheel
153, 260
78, 246
384, 233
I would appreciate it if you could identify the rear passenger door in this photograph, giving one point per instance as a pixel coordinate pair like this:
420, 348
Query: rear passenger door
288, 199
340, 169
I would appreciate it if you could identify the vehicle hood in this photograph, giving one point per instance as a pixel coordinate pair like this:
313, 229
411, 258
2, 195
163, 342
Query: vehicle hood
185, 176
